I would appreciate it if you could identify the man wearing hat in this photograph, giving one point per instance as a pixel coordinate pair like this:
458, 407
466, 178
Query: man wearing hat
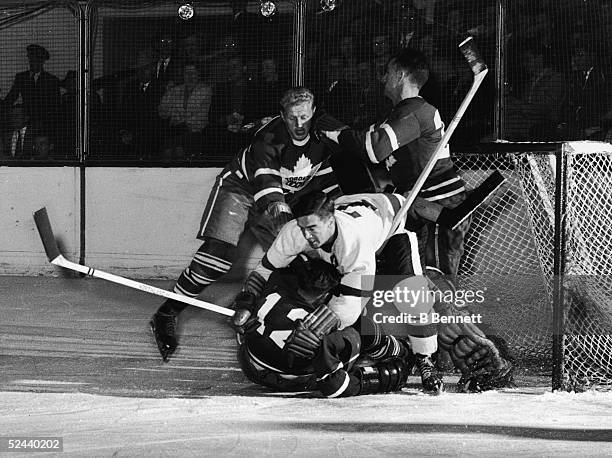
39, 90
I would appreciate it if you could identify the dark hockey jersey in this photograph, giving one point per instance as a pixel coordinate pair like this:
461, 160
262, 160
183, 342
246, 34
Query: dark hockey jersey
405, 141
279, 309
274, 167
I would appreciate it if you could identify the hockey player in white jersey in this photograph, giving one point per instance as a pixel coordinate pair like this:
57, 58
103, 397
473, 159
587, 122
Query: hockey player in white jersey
348, 233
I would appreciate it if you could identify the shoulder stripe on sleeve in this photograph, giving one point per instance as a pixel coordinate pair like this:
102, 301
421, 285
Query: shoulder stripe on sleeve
266, 191
331, 188
368, 145
391, 134
441, 185
267, 171
443, 196
243, 161
325, 171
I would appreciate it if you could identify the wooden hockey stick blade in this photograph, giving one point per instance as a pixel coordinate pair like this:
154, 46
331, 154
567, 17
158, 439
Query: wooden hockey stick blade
46, 234
480, 70
453, 218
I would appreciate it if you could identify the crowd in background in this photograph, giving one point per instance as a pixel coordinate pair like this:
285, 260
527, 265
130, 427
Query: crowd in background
185, 95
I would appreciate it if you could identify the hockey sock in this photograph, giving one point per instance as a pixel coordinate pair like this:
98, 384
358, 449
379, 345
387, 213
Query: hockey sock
377, 345
203, 270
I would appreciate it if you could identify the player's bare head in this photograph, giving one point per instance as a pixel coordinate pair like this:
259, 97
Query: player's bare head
315, 217
316, 278
411, 64
297, 109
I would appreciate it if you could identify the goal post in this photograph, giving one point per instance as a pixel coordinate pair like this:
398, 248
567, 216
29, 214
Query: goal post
540, 249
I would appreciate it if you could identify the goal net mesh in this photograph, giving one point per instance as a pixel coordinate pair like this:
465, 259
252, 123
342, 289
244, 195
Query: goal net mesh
509, 254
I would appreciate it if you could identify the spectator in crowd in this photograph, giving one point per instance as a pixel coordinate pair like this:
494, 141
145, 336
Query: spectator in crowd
18, 142
168, 67
339, 94
228, 109
186, 106
67, 122
191, 49
140, 118
39, 89
265, 92
536, 114
381, 50
372, 103
226, 49
43, 147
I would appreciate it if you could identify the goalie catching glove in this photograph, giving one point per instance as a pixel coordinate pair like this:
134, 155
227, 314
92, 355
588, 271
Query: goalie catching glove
308, 334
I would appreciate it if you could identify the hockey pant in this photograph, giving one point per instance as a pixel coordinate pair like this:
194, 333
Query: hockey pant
331, 368
403, 256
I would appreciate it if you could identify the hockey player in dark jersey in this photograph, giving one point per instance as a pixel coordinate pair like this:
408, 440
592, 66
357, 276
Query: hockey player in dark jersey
405, 142
254, 191
269, 355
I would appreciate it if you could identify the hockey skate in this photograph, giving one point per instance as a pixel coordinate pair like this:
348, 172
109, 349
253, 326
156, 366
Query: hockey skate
430, 379
163, 326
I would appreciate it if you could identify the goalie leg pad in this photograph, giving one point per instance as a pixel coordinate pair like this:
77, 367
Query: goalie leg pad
477, 357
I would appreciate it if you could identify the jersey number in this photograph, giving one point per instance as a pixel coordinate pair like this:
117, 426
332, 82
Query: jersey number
278, 337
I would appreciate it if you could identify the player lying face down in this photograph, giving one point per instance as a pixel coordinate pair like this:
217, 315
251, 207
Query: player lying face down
291, 341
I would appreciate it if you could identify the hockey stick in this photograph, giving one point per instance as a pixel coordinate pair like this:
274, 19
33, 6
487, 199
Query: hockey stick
55, 257
479, 68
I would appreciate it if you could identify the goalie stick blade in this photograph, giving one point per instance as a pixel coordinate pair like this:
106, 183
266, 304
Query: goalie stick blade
46, 233
453, 218
471, 54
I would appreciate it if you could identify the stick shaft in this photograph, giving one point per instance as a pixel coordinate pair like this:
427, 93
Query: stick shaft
63, 262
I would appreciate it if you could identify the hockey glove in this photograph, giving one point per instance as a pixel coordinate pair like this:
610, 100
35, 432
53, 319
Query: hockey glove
280, 213
308, 334
245, 320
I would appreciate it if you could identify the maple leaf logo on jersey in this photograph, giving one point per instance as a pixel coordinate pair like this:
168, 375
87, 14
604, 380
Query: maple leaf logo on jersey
302, 173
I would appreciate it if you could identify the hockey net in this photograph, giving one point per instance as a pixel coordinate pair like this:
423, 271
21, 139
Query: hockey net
509, 253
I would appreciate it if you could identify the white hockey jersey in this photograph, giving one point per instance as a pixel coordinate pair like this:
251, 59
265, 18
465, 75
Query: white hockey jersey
363, 222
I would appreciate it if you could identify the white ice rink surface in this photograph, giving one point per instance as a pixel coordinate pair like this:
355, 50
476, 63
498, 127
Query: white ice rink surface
78, 362
513, 423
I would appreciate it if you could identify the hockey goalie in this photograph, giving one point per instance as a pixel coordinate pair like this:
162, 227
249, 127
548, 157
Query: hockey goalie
484, 361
